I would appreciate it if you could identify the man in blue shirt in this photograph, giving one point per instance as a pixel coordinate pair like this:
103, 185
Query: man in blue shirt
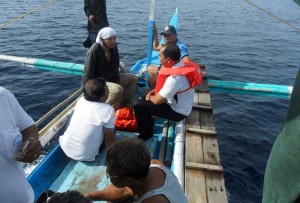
170, 37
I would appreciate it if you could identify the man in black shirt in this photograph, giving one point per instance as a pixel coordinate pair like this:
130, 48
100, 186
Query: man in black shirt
102, 60
95, 10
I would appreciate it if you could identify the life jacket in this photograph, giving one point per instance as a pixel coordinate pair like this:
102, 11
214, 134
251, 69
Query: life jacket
125, 119
191, 71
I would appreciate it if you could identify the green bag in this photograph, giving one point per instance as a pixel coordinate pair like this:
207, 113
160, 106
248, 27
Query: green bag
297, 2
282, 176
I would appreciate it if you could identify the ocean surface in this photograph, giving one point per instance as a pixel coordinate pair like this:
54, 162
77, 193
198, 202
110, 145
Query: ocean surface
235, 40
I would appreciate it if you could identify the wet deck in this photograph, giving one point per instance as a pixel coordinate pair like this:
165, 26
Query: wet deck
204, 181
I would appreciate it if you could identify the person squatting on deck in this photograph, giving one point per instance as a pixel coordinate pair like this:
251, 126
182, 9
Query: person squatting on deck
19, 140
173, 95
95, 10
92, 121
134, 174
170, 37
102, 60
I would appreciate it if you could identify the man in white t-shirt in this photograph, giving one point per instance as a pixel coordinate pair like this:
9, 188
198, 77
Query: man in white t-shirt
19, 142
92, 121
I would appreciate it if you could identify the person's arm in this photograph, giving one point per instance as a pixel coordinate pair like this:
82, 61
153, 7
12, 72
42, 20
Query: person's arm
149, 94
86, 8
33, 149
155, 98
172, 85
109, 136
89, 67
153, 70
110, 193
109, 128
184, 53
156, 161
185, 59
30, 148
155, 44
116, 57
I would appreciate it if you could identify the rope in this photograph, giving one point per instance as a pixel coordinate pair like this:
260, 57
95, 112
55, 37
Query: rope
23, 15
267, 12
124, 58
75, 94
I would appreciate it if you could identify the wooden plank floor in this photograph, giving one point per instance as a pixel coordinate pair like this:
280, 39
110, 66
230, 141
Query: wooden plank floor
82, 176
86, 176
204, 181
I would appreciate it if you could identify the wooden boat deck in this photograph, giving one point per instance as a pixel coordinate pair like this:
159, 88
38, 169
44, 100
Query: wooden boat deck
204, 181
60, 173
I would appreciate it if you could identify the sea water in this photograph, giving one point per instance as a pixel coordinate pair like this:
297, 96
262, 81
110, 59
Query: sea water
235, 40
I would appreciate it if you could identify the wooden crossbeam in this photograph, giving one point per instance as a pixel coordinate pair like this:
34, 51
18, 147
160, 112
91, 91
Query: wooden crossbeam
202, 107
206, 167
201, 131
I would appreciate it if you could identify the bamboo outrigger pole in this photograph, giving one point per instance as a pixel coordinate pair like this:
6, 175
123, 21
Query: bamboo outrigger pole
255, 87
56, 124
216, 85
44, 117
150, 35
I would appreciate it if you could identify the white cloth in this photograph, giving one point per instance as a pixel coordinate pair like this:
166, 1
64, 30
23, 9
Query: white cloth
84, 135
174, 84
171, 189
14, 187
105, 33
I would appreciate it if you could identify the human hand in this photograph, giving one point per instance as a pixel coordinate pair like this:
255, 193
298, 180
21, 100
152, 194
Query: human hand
87, 195
151, 93
91, 18
29, 150
154, 28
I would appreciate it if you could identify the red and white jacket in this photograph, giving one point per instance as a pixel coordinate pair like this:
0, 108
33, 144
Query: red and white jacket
191, 71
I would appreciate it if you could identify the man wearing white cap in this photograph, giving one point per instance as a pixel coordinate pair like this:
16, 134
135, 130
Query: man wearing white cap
102, 60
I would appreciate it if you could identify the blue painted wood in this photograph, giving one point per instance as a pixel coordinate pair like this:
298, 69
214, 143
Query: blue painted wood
60, 173
48, 170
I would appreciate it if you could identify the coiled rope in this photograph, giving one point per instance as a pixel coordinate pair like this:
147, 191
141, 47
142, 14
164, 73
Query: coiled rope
267, 12
25, 14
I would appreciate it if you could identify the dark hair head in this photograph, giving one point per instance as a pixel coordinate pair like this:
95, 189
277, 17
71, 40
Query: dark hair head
129, 157
172, 51
71, 196
94, 89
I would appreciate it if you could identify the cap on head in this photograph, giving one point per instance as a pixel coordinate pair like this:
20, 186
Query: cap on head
169, 29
